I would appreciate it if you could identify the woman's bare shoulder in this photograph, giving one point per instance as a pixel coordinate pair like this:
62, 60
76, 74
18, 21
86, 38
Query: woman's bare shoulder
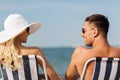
32, 50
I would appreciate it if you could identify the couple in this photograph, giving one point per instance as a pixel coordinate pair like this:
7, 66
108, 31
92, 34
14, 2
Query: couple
94, 32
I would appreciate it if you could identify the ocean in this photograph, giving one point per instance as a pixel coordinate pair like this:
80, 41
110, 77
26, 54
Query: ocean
59, 58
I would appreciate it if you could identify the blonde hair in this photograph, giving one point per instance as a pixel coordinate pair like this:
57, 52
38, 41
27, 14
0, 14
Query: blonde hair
9, 55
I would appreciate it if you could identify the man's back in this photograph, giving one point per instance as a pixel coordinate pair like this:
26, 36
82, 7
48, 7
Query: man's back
82, 54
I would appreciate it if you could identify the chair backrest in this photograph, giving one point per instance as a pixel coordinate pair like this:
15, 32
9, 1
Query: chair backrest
104, 69
29, 69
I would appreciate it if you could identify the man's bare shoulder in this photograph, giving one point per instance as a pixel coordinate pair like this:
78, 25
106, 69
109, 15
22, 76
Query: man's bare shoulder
81, 52
116, 48
80, 56
115, 52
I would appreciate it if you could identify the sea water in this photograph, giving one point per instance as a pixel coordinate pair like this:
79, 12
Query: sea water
59, 58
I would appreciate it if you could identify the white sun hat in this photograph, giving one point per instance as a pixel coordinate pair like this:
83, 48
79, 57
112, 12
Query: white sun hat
16, 24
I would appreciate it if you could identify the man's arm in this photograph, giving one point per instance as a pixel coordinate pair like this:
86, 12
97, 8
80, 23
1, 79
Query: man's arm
72, 69
70, 72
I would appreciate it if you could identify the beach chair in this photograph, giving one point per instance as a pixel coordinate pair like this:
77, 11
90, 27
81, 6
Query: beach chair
28, 72
104, 69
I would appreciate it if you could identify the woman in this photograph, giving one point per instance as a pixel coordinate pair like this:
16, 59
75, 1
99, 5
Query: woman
16, 32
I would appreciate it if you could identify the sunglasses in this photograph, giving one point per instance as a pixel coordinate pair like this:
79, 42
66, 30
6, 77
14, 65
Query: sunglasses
27, 29
84, 31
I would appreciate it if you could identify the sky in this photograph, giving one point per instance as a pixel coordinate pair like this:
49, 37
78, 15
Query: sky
62, 20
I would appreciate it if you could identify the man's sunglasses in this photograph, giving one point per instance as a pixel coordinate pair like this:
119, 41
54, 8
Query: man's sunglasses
83, 30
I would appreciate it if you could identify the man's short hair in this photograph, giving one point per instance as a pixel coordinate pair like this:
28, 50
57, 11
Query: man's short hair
101, 23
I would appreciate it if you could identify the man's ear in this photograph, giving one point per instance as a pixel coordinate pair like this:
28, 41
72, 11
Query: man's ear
96, 32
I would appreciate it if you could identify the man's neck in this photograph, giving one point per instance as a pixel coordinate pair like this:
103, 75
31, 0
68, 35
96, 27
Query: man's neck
100, 43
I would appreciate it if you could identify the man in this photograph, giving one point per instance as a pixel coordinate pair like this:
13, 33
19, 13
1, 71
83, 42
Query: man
94, 33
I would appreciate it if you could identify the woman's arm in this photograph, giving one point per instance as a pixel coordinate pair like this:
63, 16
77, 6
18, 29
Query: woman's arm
50, 71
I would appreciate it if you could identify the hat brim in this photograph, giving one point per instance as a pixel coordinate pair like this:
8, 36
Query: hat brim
6, 35
34, 27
